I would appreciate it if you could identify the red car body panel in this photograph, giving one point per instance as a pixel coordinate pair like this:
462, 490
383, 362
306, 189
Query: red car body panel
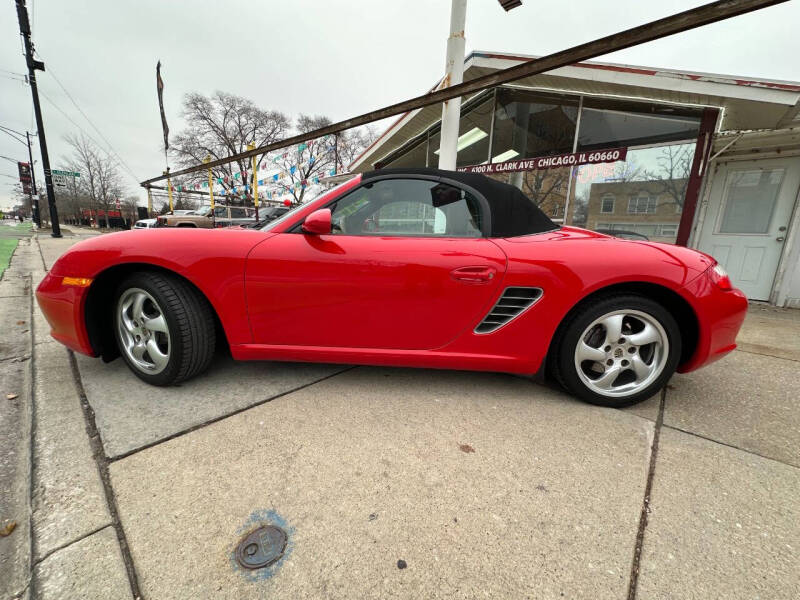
63, 307
404, 292
212, 259
405, 301
720, 315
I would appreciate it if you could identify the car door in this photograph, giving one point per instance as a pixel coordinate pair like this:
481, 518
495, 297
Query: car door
406, 266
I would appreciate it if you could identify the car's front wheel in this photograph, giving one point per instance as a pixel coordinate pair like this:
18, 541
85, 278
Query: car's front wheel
164, 327
617, 351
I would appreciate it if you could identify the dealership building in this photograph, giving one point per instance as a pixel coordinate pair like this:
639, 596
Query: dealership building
708, 161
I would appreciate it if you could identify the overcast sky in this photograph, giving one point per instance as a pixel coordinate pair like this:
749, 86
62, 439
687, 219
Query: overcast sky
334, 57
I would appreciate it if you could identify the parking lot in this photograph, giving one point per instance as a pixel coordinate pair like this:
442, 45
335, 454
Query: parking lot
410, 483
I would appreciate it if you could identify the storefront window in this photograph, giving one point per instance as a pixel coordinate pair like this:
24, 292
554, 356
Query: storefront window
413, 156
529, 124
609, 123
473, 134
546, 188
641, 197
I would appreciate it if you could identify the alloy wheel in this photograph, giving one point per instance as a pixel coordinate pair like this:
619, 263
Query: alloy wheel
621, 353
143, 331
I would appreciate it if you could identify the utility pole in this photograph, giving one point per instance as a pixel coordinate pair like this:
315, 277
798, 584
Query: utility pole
37, 216
454, 74
33, 66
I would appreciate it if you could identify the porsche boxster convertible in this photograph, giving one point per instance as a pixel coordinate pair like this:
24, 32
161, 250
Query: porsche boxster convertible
416, 268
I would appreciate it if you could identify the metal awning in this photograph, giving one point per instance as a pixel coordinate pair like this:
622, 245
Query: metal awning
746, 103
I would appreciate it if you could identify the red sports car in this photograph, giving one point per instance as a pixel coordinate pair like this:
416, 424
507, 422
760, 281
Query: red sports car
419, 268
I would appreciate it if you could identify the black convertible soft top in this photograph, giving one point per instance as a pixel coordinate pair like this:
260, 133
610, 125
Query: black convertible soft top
513, 214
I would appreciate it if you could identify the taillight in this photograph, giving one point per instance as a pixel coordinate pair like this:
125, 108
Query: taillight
720, 278
161, 221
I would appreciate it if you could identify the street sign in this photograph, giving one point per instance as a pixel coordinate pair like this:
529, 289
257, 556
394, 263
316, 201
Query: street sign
60, 178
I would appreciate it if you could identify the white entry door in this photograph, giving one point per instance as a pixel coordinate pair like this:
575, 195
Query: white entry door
747, 220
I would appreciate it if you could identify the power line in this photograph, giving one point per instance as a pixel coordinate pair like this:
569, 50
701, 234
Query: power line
12, 130
12, 72
15, 78
88, 120
8, 133
81, 129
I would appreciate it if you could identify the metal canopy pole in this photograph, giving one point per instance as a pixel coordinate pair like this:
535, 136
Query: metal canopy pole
684, 21
454, 74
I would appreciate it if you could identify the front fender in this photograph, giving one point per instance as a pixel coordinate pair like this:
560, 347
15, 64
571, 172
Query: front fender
212, 260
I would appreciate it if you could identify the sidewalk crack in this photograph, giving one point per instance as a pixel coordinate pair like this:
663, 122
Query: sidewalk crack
643, 516
101, 460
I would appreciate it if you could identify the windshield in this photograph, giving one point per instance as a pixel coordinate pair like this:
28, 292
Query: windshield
281, 219
330, 193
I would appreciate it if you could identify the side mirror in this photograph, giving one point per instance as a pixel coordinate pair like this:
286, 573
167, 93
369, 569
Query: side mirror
318, 222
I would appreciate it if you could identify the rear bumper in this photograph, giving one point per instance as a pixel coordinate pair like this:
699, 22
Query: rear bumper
720, 315
63, 307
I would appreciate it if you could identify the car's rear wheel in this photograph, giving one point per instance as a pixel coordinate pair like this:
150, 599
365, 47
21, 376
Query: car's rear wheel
617, 351
164, 328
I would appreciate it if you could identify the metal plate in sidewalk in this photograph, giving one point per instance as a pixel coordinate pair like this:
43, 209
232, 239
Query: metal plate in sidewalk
261, 547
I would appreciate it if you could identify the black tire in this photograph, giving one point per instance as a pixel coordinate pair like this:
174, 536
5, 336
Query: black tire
189, 320
562, 358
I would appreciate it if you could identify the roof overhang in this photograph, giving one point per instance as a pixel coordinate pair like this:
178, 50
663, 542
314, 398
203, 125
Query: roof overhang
745, 103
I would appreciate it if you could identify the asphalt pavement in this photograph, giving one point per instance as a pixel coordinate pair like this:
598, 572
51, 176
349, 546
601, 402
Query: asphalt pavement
395, 483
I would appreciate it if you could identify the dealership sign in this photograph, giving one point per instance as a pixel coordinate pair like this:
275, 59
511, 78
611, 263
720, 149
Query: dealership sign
573, 159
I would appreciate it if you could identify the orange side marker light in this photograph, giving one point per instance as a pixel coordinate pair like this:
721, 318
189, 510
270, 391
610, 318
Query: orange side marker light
77, 281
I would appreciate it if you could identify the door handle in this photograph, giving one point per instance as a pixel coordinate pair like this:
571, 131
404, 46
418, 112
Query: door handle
780, 239
476, 274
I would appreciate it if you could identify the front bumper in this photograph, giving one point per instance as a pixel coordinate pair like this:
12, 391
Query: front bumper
720, 314
63, 307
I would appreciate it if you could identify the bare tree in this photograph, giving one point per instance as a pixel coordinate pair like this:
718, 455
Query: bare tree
672, 177
71, 200
130, 208
300, 164
318, 157
545, 185
100, 178
220, 125
351, 143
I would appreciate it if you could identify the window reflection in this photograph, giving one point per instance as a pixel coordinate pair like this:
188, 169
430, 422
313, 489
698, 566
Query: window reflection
642, 195
473, 134
413, 156
607, 123
545, 188
529, 124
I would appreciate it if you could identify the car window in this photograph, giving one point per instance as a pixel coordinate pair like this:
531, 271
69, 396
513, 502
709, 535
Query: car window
220, 211
238, 213
407, 207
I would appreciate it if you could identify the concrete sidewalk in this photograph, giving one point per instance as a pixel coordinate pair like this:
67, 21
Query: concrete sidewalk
407, 483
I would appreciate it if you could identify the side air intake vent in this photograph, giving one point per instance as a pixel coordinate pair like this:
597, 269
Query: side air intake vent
513, 302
